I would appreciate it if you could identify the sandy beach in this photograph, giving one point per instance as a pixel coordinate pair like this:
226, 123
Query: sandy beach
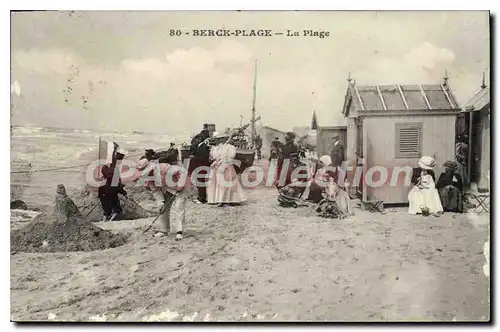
261, 262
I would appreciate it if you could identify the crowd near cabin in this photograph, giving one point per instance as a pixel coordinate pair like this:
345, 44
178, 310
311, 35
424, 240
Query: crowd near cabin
395, 125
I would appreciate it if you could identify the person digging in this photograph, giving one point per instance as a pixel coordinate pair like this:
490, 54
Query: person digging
108, 193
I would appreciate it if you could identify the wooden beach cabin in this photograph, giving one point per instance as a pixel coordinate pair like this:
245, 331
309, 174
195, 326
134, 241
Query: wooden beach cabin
395, 125
477, 125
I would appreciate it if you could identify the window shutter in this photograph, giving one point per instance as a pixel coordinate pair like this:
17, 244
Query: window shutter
408, 140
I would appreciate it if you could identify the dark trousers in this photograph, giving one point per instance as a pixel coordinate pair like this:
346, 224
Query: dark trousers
110, 204
202, 191
202, 177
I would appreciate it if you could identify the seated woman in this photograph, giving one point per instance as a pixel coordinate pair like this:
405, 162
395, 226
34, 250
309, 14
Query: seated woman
308, 189
323, 176
450, 189
336, 203
424, 197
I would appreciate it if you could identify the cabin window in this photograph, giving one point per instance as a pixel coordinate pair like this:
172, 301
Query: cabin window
408, 140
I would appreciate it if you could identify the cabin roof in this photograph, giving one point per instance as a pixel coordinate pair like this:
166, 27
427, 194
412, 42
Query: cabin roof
332, 127
400, 97
272, 129
479, 100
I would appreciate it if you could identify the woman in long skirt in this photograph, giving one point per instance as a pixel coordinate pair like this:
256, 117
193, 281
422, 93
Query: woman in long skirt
224, 187
424, 197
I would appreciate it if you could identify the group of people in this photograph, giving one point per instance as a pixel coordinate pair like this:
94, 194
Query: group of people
427, 197
319, 186
214, 164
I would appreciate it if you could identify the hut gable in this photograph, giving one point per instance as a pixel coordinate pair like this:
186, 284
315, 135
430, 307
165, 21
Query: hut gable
377, 99
351, 105
479, 101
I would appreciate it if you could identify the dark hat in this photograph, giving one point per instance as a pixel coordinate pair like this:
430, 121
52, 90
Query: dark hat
172, 144
150, 151
290, 135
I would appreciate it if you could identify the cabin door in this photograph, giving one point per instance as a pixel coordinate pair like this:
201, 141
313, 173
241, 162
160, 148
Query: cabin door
474, 146
359, 137
360, 153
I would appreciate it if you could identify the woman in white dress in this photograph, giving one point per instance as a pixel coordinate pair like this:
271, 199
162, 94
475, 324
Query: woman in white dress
224, 187
424, 197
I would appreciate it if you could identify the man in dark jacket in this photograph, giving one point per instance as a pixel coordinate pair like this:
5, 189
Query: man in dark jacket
290, 153
337, 153
276, 149
200, 156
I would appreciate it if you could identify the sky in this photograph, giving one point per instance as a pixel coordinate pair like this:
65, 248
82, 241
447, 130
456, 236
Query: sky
122, 71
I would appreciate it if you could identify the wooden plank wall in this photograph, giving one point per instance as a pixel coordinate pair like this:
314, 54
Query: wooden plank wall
351, 138
438, 137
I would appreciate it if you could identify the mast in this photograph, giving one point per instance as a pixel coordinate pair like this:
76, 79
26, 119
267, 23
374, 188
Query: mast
253, 103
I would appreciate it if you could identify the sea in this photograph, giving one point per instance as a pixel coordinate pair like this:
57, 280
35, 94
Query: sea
42, 158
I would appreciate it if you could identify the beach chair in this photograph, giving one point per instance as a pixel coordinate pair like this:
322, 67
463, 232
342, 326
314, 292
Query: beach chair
482, 200
371, 206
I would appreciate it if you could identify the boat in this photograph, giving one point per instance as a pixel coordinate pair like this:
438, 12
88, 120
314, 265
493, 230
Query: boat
245, 151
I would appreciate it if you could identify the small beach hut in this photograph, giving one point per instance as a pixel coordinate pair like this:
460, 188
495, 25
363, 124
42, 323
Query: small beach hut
390, 127
477, 126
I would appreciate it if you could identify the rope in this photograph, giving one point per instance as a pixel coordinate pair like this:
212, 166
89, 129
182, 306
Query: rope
88, 214
167, 204
137, 204
47, 169
66, 167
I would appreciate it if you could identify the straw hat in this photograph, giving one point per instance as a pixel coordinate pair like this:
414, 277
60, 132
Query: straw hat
426, 162
326, 160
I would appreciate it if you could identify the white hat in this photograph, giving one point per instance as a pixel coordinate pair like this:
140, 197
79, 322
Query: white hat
121, 151
326, 160
426, 162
